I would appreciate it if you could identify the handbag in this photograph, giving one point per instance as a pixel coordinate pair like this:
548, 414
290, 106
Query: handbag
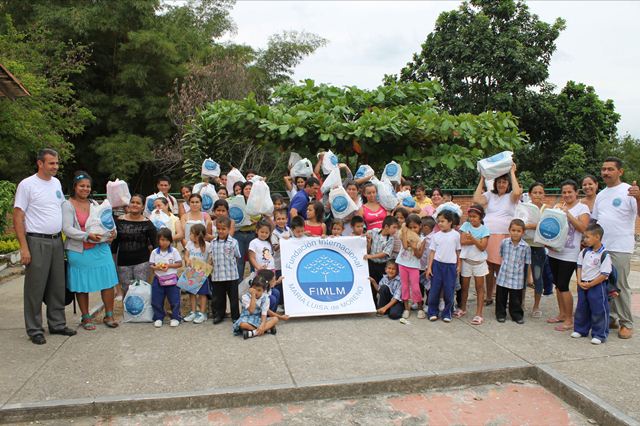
167, 280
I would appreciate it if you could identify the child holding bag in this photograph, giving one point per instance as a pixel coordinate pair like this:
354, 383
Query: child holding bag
165, 261
200, 249
409, 264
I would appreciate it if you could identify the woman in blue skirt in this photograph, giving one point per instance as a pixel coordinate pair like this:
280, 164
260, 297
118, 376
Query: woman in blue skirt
90, 265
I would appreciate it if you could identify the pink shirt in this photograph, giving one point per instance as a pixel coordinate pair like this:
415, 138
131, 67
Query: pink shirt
373, 219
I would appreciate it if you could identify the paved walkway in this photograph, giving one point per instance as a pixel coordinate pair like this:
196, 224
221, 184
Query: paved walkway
137, 359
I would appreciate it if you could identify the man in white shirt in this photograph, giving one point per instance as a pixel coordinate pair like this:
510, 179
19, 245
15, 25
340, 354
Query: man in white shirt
37, 218
615, 209
163, 184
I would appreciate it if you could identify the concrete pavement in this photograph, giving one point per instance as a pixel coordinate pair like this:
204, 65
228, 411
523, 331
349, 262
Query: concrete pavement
137, 360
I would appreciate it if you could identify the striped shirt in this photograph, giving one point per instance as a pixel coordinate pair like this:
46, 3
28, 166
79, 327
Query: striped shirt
394, 285
381, 244
514, 257
225, 254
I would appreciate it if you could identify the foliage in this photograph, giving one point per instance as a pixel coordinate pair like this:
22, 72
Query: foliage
400, 120
9, 245
52, 114
628, 149
571, 165
7, 193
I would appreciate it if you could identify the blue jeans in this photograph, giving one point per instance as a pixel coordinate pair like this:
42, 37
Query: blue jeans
547, 278
443, 278
158, 293
274, 299
244, 239
538, 260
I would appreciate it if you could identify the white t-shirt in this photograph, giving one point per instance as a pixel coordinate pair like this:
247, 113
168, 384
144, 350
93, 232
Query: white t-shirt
406, 256
195, 252
446, 244
471, 252
571, 248
500, 211
591, 264
276, 236
264, 253
41, 201
616, 212
166, 257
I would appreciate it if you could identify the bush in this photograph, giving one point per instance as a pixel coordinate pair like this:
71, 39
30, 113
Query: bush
9, 245
7, 193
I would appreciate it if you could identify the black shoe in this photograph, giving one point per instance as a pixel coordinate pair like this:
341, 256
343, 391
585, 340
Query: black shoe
273, 330
38, 339
245, 334
218, 320
520, 321
64, 331
501, 319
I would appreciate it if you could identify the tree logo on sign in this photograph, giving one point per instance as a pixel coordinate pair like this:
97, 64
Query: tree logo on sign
325, 275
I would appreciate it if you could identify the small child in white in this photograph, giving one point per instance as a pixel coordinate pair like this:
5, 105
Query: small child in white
165, 261
253, 320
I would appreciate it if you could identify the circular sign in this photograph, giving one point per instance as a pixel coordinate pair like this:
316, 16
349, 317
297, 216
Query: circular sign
134, 304
360, 173
549, 228
325, 275
616, 202
236, 214
391, 170
210, 165
340, 203
207, 202
409, 202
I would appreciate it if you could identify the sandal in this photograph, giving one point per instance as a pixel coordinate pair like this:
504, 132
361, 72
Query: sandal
563, 327
537, 313
109, 321
554, 320
488, 302
477, 320
87, 323
459, 313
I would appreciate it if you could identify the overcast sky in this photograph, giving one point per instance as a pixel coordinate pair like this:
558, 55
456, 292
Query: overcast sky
368, 39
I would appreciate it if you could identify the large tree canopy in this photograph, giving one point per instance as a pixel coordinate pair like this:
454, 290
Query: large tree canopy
400, 121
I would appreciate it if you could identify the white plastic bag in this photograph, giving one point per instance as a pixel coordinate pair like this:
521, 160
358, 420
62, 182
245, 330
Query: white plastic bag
329, 162
406, 199
294, 157
496, 165
238, 211
451, 206
392, 173
529, 213
386, 194
302, 168
118, 193
100, 220
232, 177
552, 229
210, 168
259, 201
364, 171
341, 204
159, 219
332, 181
137, 302
149, 203
209, 196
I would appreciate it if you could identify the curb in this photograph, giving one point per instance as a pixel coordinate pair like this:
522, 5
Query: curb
587, 403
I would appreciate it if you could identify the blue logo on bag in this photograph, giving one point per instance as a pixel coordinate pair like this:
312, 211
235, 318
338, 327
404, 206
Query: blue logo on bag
134, 304
496, 158
210, 165
391, 169
617, 202
106, 219
158, 224
150, 202
549, 228
360, 172
325, 275
236, 214
59, 194
339, 203
207, 202
409, 202
334, 160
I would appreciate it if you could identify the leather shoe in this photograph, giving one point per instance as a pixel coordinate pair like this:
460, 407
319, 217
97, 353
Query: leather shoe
38, 339
625, 333
218, 320
64, 331
613, 325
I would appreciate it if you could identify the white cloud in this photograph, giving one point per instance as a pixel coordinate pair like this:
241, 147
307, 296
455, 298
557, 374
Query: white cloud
368, 39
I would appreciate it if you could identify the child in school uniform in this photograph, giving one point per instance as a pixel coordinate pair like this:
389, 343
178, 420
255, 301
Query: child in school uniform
389, 292
165, 261
380, 246
225, 253
428, 224
515, 253
594, 268
253, 321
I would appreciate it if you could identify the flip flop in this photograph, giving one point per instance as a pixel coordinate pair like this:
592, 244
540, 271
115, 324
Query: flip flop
563, 328
554, 320
459, 313
477, 320
537, 313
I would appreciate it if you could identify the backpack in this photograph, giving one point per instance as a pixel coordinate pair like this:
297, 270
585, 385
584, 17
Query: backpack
612, 281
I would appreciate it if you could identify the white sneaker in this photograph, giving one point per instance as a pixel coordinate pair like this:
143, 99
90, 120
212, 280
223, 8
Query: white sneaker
200, 318
446, 319
433, 318
576, 335
421, 314
406, 313
190, 317
595, 341
157, 323
174, 323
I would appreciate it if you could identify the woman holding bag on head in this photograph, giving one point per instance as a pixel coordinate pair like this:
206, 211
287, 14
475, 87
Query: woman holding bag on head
90, 265
500, 205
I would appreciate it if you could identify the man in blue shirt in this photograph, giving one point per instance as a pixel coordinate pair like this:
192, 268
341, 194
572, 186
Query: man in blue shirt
300, 201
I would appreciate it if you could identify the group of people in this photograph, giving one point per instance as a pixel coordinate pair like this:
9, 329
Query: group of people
421, 257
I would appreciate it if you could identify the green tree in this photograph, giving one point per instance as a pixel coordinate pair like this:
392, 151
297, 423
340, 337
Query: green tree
52, 114
571, 165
